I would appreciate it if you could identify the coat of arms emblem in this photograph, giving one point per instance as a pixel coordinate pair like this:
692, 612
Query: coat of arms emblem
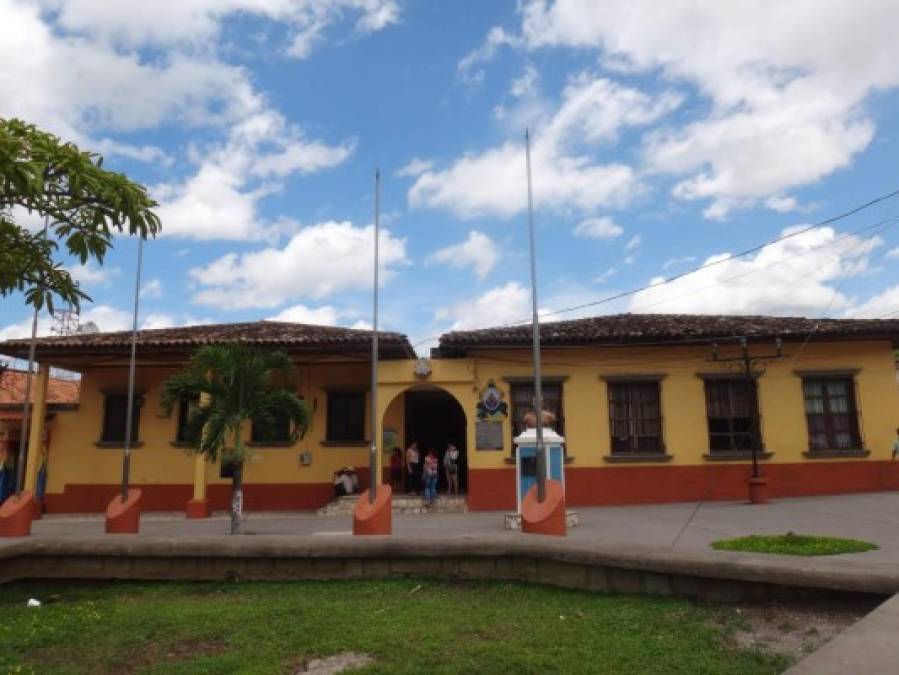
492, 406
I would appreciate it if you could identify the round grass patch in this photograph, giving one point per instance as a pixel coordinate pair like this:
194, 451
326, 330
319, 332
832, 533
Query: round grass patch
793, 544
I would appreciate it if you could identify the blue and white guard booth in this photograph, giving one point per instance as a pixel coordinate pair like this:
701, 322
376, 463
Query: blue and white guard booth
526, 460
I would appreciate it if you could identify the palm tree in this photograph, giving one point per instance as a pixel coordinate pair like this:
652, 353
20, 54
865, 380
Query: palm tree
234, 384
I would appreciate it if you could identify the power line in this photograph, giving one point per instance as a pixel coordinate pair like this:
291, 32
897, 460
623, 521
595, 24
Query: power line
728, 258
720, 261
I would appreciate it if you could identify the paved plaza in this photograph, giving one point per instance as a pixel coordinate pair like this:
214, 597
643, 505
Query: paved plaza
872, 516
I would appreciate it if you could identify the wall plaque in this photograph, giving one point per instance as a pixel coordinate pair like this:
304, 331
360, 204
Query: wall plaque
488, 435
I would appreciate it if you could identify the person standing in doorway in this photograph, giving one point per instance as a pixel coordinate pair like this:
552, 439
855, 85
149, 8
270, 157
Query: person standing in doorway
413, 469
429, 477
451, 466
396, 469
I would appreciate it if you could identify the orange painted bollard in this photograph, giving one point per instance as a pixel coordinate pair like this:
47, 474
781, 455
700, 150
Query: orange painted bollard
198, 508
547, 517
37, 510
124, 517
374, 518
758, 490
16, 514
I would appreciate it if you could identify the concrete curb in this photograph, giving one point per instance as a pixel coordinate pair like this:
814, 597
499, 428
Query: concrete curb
867, 648
717, 575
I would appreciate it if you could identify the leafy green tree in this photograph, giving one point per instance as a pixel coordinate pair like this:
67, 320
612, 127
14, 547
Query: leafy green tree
235, 384
83, 204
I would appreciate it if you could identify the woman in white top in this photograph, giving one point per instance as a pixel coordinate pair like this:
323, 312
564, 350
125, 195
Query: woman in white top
413, 469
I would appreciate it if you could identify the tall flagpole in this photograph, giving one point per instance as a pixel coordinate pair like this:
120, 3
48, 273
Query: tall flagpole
535, 325
129, 410
373, 458
26, 406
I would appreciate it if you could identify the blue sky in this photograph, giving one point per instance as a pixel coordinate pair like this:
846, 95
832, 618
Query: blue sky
663, 136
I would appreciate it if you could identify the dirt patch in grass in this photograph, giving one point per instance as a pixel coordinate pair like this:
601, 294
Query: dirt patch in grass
179, 651
793, 629
331, 665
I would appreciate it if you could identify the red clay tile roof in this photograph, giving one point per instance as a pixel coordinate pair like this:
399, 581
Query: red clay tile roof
59, 391
621, 329
288, 336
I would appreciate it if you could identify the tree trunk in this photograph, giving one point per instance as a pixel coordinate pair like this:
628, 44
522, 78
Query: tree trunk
237, 499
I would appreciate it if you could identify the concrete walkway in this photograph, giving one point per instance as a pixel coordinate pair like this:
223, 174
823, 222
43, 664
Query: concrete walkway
873, 517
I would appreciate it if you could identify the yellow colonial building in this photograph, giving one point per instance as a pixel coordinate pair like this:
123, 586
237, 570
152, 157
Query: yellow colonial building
654, 408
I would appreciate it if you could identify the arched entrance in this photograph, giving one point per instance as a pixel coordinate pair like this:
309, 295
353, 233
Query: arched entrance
433, 418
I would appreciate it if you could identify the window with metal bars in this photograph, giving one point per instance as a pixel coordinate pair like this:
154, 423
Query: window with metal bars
276, 430
346, 416
115, 414
186, 408
635, 417
831, 413
732, 411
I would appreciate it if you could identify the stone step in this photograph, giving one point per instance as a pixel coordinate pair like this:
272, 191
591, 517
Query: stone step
512, 521
343, 506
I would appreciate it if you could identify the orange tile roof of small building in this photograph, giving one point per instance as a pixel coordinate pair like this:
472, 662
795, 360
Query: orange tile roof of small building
59, 391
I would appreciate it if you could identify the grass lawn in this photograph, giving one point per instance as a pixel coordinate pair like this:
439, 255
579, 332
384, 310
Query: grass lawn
407, 626
793, 544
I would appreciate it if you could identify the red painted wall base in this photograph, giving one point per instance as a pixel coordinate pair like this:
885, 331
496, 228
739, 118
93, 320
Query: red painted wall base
92, 498
494, 489
16, 514
123, 517
376, 518
198, 508
547, 517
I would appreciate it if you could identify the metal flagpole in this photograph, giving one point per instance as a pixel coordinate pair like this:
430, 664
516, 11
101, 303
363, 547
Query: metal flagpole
129, 410
26, 406
538, 382
373, 459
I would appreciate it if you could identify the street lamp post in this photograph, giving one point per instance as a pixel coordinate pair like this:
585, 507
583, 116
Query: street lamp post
750, 367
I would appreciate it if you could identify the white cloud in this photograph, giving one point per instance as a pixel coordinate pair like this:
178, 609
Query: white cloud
478, 251
469, 66
605, 276
80, 88
679, 261
498, 306
526, 85
633, 243
593, 110
893, 253
326, 315
882, 305
797, 276
96, 69
151, 290
195, 23
782, 204
414, 167
599, 228
786, 82
317, 261
221, 200
93, 274
106, 317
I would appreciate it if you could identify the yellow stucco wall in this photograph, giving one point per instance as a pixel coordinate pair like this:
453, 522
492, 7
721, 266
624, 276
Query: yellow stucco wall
76, 459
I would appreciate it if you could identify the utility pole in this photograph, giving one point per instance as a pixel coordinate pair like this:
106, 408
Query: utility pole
535, 326
129, 409
373, 451
26, 405
747, 364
